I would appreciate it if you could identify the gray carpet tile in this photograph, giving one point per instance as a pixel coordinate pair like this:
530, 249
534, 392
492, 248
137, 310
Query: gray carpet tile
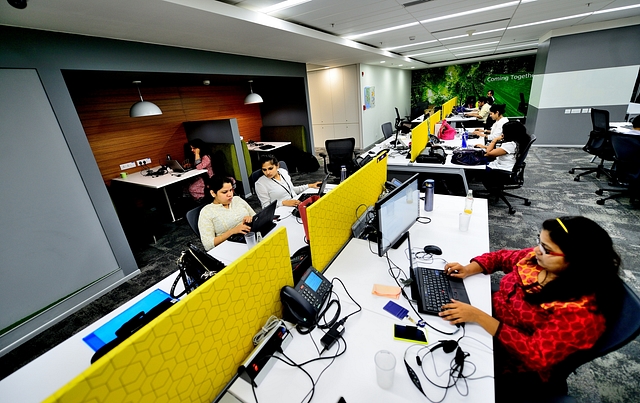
552, 192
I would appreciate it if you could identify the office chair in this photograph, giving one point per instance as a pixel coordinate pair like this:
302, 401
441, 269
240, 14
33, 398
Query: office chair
255, 175
192, 218
387, 130
598, 145
404, 125
626, 148
620, 331
339, 152
498, 181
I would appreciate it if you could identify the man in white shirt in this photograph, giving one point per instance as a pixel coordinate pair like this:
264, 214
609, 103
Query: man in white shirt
483, 110
496, 113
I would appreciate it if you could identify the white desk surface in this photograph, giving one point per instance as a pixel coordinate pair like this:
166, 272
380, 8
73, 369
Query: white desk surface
621, 127
460, 118
158, 182
352, 375
46, 374
275, 144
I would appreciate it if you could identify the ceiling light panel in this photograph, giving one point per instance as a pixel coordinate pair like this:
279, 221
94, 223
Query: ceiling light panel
491, 29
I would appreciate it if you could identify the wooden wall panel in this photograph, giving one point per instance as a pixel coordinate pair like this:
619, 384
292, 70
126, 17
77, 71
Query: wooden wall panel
116, 138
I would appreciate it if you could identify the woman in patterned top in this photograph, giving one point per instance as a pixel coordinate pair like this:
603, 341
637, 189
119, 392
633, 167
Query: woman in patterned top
225, 216
554, 300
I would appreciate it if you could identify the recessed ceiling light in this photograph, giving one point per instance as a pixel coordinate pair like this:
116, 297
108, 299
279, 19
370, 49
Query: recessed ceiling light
616, 9
551, 20
282, 5
382, 61
399, 65
428, 53
474, 46
472, 11
411, 44
379, 31
522, 45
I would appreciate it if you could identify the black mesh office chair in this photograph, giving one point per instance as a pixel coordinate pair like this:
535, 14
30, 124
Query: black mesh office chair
626, 148
192, 218
620, 331
404, 125
339, 152
598, 145
387, 130
497, 181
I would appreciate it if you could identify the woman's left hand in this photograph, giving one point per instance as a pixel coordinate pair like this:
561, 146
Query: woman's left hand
314, 185
457, 312
290, 203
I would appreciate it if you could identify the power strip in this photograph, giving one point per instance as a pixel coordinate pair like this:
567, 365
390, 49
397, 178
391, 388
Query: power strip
260, 361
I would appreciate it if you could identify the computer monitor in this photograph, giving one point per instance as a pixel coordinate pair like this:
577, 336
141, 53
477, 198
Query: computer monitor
396, 212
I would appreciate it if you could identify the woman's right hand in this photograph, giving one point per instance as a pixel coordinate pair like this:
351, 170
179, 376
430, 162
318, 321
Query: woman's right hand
455, 269
241, 228
290, 203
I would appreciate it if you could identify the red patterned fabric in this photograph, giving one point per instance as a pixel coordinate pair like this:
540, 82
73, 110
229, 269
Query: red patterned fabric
537, 337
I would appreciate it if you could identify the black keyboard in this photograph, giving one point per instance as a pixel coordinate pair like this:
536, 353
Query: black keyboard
435, 288
266, 147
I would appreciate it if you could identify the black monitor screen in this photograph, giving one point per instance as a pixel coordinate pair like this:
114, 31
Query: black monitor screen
396, 213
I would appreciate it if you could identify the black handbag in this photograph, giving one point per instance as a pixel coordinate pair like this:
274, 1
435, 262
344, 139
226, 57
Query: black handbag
432, 155
469, 156
195, 267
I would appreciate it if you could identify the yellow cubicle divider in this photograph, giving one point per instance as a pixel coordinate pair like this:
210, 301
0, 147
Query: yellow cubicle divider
419, 139
191, 351
433, 119
331, 217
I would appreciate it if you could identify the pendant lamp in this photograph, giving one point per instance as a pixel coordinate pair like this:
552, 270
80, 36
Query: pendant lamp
142, 107
252, 98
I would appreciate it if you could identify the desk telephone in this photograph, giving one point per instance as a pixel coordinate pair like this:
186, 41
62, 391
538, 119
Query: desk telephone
302, 303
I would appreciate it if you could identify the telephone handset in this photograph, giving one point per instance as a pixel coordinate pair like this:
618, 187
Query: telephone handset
302, 303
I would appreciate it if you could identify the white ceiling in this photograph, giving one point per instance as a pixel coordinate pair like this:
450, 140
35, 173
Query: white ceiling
317, 32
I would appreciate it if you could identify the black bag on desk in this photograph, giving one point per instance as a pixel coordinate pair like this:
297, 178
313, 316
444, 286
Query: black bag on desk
469, 156
196, 267
432, 155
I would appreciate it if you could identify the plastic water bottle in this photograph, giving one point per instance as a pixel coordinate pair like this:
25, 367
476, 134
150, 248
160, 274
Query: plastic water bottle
343, 173
168, 157
468, 203
465, 136
429, 187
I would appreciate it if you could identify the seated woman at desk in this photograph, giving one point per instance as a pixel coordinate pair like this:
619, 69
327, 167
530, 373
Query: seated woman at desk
275, 184
496, 113
202, 160
514, 138
554, 300
225, 216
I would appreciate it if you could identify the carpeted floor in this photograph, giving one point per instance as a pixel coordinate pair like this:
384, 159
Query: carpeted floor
553, 193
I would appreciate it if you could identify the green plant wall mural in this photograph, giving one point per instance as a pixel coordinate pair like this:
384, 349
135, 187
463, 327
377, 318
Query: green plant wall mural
508, 78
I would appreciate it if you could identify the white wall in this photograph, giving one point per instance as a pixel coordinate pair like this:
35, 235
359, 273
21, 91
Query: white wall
336, 97
393, 89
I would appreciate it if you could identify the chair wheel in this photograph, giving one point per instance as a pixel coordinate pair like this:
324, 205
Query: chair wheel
512, 211
600, 202
599, 192
527, 203
572, 171
577, 179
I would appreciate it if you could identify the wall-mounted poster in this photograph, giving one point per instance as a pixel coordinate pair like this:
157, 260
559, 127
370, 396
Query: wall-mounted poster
369, 97
510, 79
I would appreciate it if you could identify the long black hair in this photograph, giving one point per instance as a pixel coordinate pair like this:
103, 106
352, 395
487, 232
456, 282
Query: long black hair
593, 264
515, 131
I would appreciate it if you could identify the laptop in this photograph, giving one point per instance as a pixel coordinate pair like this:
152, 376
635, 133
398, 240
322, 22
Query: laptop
431, 288
320, 193
176, 167
262, 222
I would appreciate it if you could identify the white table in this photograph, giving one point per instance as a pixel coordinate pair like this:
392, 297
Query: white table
276, 144
398, 162
352, 375
160, 182
621, 127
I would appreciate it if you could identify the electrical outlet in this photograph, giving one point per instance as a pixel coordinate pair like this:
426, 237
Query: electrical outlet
127, 165
144, 161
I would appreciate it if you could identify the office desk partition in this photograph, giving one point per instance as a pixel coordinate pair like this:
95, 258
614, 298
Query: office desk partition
352, 375
160, 182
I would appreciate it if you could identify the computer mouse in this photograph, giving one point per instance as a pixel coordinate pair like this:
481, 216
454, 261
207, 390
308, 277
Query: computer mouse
434, 250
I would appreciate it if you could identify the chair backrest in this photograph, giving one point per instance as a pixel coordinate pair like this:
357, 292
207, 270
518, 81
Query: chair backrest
387, 130
522, 154
192, 218
600, 119
620, 331
626, 148
517, 172
340, 152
